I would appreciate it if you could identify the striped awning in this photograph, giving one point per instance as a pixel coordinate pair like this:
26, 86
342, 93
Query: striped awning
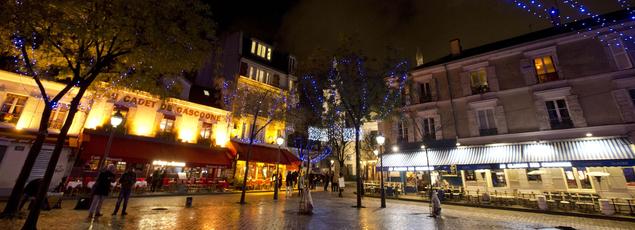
554, 151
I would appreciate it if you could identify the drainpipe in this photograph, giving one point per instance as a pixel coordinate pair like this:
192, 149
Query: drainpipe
447, 79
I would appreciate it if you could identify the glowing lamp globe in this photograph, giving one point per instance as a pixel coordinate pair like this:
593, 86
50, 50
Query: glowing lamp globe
116, 119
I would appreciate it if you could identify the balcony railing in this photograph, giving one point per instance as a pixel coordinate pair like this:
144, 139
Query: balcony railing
480, 89
547, 77
424, 98
488, 132
561, 124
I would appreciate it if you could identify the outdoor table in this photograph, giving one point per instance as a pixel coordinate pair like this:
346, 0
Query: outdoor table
141, 184
74, 184
90, 184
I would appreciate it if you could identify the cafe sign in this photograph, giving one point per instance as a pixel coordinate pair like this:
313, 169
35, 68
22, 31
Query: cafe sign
190, 112
139, 101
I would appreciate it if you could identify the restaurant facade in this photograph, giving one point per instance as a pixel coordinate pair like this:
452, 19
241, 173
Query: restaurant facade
550, 111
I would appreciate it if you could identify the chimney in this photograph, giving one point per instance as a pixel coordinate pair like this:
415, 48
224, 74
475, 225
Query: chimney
419, 57
455, 47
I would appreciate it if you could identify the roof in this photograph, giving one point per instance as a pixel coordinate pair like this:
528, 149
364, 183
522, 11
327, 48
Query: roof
613, 17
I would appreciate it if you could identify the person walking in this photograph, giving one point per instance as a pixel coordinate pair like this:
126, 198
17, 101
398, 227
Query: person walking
340, 183
126, 181
289, 183
155, 180
436, 204
326, 181
101, 188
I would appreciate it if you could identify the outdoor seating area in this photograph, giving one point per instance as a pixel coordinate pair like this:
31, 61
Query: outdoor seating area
80, 186
561, 201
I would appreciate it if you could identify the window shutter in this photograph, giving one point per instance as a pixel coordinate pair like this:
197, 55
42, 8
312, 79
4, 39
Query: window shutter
528, 71
473, 124
542, 115
575, 110
501, 122
465, 84
433, 89
492, 80
620, 56
415, 93
624, 104
41, 163
438, 127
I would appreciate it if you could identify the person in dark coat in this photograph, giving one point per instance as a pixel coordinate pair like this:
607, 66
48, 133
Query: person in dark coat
155, 180
101, 189
30, 191
126, 181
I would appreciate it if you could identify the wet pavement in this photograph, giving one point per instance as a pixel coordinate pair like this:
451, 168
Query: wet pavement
331, 212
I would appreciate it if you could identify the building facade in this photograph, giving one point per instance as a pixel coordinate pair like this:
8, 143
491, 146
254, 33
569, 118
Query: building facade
547, 111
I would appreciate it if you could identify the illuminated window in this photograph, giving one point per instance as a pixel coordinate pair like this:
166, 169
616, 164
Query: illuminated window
558, 114
545, 69
58, 115
167, 124
498, 178
261, 49
533, 177
12, 108
478, 81
206, 131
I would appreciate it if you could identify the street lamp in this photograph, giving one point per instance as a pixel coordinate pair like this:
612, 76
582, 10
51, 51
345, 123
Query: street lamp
380, 141
115, 121
279, 141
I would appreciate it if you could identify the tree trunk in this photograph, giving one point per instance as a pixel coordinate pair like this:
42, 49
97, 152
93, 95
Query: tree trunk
357, 172
31, 221
251, 144
11, 209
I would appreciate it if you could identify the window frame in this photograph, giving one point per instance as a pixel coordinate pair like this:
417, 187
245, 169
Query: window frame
207, 130
402, 131
490, 129
615, 51
562, 123
429, 132
167, 124
481, 84
55, 121
12, 107
548, 75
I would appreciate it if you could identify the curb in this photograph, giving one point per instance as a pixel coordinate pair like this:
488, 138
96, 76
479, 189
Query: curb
585, 215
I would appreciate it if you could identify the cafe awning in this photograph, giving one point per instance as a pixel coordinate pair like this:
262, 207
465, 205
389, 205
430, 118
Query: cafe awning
146, 150
587, 149
264, 154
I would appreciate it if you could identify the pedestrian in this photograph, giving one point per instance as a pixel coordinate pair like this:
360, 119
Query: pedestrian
326, 182
101, 188
279, 177
155, 180
289, 183
436, 204
30, 191
126, 181
340, 183
333, 183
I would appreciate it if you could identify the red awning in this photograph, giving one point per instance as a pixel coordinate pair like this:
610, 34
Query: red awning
265, 154
139, 150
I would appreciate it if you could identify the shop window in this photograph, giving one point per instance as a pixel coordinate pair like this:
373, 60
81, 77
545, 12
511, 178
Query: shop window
570, 177
429, 132
498, 178
478, 81
58, 115
121, 166
486, 122
167, 124
558, 114
629, 175
426, 93
534, 177
545, 69
470, 175
206, 131
12, 108
402, 131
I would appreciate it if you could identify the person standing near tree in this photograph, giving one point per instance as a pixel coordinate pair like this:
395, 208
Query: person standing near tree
101, 188
126, 181
340, 183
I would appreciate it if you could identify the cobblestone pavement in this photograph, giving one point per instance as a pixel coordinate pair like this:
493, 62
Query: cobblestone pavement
331, 212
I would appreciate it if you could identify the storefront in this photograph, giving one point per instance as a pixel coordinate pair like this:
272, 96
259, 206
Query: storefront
172, 160
262, 164
591, 165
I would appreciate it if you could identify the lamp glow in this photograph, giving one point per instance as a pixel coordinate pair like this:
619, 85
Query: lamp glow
380, 139
589, 134
423, 146
395, 148
116, 119
279, 141
376, 152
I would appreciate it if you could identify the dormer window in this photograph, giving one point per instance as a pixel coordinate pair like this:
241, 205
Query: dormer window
261, 49
545, 69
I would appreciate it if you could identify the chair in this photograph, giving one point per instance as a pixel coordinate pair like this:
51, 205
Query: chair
551, 203
564, 202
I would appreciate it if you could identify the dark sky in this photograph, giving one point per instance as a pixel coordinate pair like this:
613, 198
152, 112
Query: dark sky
301, 26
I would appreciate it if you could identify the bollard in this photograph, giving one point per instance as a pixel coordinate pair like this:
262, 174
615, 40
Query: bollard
188, 202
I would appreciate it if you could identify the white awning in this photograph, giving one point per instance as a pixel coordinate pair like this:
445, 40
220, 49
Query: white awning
555, 151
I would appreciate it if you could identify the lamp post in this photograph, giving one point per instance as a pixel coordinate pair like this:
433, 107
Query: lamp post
331, 166
115, 121
429, 173
380, 141
279, 141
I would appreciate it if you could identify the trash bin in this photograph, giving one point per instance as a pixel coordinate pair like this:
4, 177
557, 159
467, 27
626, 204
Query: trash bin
188, 202
542, 202
606, 207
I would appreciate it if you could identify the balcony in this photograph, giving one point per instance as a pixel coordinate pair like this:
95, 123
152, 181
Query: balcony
425, 98
565, 123
480, 89
547, 77
488, 132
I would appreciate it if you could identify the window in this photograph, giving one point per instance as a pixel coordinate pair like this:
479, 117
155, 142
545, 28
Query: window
58, 115
428, 128
292, 65
426, 93
167, 124
478, 81
620, 55
585, 181
470, 175
577, 178
261, 49
631, 92
629, 174
12, 108
498, 178
402, 132
534, 176
486, 122
558, 114
206, 131
545, 69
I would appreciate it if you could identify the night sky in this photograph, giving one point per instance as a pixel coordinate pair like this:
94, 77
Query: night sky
301, 26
